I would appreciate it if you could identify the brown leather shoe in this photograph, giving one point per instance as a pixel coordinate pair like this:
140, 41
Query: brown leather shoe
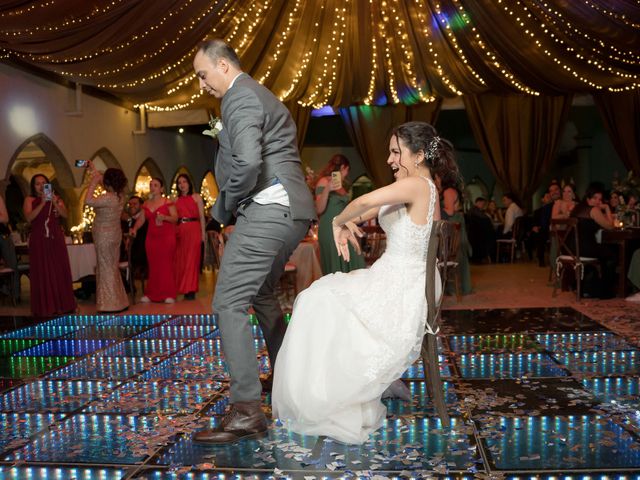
244, 420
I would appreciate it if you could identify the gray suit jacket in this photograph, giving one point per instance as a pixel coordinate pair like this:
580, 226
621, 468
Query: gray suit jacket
257, 148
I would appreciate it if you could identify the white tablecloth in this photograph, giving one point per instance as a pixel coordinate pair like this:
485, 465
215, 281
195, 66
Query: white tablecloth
82, 259
306, 259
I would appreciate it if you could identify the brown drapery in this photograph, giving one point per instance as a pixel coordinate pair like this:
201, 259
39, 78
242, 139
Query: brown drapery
369, 128
518, 136
621, 115
301, 116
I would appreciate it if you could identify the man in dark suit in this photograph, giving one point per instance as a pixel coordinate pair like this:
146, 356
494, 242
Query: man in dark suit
138, 248
259, 174
539, 235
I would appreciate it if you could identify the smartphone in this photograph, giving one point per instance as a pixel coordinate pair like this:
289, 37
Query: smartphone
336, 180
81, 163
47, 191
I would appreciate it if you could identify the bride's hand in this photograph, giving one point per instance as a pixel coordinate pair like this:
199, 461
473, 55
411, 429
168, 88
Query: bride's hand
355, 234
345, 234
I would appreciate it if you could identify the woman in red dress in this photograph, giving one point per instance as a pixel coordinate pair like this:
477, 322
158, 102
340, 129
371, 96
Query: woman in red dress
160, 244
190, 235
50, 275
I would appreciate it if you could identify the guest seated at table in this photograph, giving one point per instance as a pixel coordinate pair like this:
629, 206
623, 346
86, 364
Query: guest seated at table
541, 220
592, 216
107, 236
161, 217
331, 197
633, 274
495, 214
138, 250
480, 231
50, 272
614, 200
190, 237
563, 206
513, 211
8, 252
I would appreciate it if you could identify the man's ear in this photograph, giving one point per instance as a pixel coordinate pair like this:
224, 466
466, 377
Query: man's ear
223, 64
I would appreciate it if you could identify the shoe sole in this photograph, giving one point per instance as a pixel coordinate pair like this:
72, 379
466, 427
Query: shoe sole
253, 436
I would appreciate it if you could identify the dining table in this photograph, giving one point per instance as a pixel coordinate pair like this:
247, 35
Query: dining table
306, 258
627, 240
82, 258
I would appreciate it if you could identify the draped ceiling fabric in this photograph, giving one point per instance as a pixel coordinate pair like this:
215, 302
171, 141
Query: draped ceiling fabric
369, 129
333, 52
621, 114
518, 136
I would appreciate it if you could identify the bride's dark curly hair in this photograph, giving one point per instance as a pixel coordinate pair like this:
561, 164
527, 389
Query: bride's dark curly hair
116, 179
438, 152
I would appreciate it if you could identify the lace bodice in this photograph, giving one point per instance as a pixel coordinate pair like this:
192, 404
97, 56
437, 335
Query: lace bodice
406, 241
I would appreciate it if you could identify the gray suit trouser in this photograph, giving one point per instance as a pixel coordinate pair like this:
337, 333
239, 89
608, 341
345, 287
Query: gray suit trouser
254, 258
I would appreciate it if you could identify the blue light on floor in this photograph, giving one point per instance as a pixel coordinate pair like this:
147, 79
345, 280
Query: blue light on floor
569, 342
508, 366
135, 320
66, 348
116, 368
60, 473
624, 362
210, 320
41, 331
513, 343
144, 348
17, 428
417, 370
178, 331
52, 396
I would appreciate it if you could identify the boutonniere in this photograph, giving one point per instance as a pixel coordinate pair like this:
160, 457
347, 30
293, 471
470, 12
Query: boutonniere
215, 125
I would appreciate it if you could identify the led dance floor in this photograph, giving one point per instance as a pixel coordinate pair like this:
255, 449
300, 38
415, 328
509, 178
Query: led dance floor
532, 393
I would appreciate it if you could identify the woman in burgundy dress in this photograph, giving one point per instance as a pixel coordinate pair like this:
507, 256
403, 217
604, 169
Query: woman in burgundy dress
50, 276
161, 215
190, 235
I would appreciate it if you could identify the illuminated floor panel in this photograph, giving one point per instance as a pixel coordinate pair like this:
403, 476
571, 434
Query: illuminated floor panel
11, 346
559, 443
27, 367
583, 342
602, 363
397, 447
52, 396
416, 371
61, 473
116, 368
178, 331
210, 320
144, 348
135, 320
164, 397
42, 331
514, 343
17, 428
508, 365
65, 348
621, 390
97, 439
109, 331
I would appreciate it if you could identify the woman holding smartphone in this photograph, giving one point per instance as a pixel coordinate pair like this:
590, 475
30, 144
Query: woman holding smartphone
331, 198
50, 273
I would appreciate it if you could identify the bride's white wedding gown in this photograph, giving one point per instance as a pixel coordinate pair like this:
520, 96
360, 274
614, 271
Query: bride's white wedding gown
351, 335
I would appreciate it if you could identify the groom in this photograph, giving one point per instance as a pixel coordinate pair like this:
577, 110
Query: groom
257, 168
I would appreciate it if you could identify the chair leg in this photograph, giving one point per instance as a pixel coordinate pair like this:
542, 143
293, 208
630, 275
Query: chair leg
458, 281
578, 271
513, 250
435, 387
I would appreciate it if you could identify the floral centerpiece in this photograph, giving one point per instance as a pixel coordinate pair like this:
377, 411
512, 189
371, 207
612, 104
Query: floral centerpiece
628, 189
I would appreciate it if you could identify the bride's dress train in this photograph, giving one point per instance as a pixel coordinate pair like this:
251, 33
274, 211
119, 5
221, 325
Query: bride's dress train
351, 335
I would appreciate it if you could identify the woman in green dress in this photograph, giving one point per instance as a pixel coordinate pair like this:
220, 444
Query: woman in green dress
331, 198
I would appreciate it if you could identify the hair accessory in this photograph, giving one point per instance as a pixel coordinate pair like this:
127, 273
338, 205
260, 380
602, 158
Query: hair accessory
432, 149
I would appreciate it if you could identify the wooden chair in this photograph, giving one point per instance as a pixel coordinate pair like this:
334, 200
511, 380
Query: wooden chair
289, 281
438, 249
452, 264
510, 243
565, 232
9, 274
375, 243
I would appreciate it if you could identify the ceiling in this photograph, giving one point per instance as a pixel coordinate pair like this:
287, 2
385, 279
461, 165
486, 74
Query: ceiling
331, 52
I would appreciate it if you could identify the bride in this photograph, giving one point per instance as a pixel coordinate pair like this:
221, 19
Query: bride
351, 335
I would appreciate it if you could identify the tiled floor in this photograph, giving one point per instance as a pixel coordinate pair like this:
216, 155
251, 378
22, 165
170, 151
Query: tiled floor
539, 392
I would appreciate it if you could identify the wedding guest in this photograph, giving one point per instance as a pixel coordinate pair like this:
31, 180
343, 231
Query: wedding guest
614, 200
451, 209
592, 215
191, 233
138, 249
50, 272
495, 213
480, 232
161, 217
330, 198
539, 236
8, 250
513, 211
563, 206
107, 237
352, 335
